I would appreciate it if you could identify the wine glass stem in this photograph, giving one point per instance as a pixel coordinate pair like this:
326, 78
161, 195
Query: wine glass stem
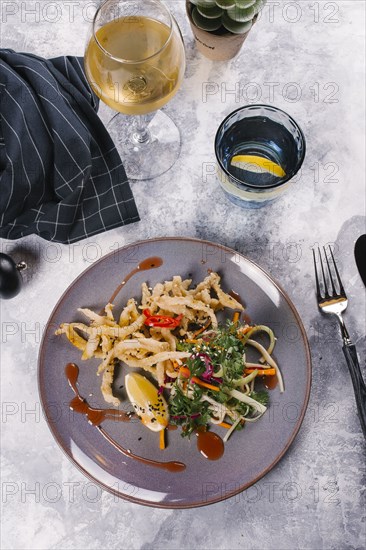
141, 133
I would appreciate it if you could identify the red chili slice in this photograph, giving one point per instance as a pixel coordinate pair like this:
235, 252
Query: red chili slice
161, 321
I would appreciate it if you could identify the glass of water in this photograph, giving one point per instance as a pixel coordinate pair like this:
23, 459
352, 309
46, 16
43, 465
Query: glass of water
259, 149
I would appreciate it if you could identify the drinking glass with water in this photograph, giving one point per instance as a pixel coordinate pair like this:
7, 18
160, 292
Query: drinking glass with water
259, 149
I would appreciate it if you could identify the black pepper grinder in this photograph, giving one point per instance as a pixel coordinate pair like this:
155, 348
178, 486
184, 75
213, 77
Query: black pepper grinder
10, 278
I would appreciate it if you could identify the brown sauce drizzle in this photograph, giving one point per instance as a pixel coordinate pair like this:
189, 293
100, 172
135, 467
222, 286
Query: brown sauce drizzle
145, 265
210, 445
246, 318
97, 416
171, 427
270, 382
79, 405
172, 466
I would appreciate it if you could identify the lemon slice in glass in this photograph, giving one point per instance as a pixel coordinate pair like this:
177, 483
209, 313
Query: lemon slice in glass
148, 404
260, 165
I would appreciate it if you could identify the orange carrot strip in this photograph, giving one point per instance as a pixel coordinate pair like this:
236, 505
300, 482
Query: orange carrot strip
185, 372
192, 342
242, 331
162, 439
202, 329
236, 316
225, 425
204, 384
262, 372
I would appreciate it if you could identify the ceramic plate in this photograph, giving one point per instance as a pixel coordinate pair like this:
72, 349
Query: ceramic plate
249, 454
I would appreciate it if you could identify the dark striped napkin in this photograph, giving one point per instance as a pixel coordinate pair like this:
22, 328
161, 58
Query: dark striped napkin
60, 174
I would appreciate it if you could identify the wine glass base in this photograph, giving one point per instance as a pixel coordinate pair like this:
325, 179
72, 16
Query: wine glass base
149, 159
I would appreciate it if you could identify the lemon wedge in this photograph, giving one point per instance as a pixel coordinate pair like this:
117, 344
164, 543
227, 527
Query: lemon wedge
253, 163
148, 404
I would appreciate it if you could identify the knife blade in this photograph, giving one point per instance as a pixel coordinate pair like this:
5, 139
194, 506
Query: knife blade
360, 257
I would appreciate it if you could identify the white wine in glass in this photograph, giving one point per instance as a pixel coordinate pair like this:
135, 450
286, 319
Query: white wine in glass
135, 63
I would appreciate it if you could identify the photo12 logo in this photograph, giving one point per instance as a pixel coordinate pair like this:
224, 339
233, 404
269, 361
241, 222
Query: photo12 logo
49, 12
71, 492
273, 492
270, 92
294, 12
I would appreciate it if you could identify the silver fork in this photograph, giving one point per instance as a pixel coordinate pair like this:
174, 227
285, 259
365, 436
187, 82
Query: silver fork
335, 303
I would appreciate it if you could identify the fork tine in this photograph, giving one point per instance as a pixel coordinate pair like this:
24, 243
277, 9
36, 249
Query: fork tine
337, 273
330, 273
318, 293
323, 273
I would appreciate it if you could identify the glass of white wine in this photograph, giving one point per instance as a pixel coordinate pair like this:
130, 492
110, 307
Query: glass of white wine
135, 62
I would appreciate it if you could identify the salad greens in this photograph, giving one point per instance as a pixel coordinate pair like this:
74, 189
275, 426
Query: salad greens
216, 384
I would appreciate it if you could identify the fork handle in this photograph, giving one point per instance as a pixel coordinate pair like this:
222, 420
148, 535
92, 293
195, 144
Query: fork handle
359, 386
